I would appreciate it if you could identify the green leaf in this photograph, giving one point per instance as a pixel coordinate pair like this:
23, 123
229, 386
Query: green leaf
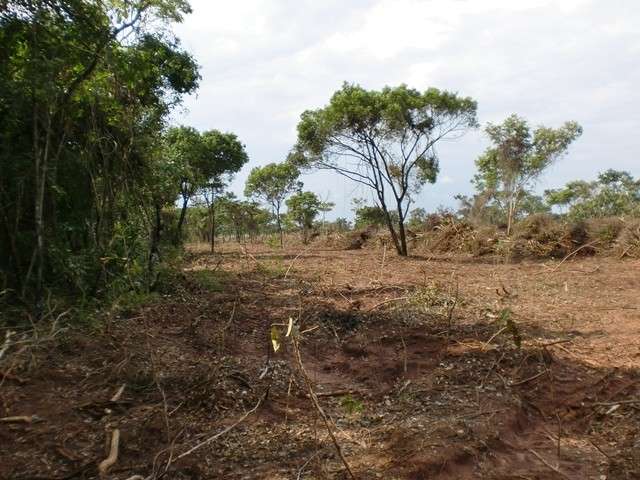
275, 338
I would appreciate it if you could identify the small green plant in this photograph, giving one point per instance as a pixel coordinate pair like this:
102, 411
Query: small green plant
208, 280
433, 298
429, 296
510, 326
351, 405
129, 302
274, 268
273, 241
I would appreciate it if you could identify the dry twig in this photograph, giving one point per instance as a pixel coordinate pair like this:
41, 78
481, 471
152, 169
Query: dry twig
21, 419
387, 301
118, 394
555, 469
530, 379
112, 458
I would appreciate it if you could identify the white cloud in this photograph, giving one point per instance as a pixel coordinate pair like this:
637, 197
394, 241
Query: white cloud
266, 61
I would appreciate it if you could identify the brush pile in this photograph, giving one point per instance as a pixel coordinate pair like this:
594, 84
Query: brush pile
537, 236
458, 236
541, 236
628, 243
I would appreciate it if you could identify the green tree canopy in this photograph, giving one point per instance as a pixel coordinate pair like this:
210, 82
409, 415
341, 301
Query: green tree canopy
273, 183
417, 217
370, 215
202, 162
613, 193
517, 158
303, 209
85, 88
384, 140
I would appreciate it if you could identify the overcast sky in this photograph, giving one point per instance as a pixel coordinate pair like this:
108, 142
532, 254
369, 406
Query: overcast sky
264, 62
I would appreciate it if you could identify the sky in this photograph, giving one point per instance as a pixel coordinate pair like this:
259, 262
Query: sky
264, 62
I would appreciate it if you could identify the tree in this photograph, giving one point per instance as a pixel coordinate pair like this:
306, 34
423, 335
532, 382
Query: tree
272, 184
182, 146
326, 207
517, 158
303, 208
370, 216
224, 156
384, 140
613, 193
341, 225
85, 88
485, 207
417, 218
241, 217
184, 150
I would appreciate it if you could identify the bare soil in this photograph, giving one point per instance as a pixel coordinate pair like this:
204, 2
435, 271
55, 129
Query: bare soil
429, 368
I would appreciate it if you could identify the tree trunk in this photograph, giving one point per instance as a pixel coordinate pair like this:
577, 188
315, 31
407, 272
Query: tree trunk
279, 222
510, 214
41, 182
213, 221
402, 231
392, 231
154, 247
183, 215
212, 233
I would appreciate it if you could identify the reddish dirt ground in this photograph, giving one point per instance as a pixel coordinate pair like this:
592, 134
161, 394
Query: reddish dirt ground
429, 368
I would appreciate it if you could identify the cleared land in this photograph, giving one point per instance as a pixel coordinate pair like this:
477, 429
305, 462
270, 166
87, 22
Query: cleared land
438, 368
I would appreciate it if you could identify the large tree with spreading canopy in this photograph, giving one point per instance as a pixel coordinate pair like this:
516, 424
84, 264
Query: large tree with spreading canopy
385, 140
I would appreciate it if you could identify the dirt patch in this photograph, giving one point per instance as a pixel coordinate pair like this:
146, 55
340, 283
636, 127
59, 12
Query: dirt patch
416, 389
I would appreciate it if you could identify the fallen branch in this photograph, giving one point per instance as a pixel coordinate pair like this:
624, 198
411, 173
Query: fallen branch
486, 344
21, 419
599, 449
620, 402
404, 387
304, 465
549, 344
590, 244
387, 301
336, 393
108, 462
7, 342
286, 274
118, 394
527, 380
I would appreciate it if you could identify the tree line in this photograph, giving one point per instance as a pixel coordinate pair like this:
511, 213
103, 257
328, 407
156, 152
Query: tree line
88, 163
96, 186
